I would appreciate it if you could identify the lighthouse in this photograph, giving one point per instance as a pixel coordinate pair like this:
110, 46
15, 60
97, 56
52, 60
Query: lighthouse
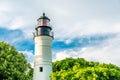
43, 37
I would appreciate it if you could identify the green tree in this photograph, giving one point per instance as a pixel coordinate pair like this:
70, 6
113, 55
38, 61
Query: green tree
13, 65
80, 69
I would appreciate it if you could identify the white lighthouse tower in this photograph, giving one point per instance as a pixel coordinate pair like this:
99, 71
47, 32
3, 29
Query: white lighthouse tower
43, 49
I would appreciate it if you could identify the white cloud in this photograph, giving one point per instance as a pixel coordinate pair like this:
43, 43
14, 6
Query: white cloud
69, 20
68, 41
4, 6
108, 52
62, 55
18, 22
90, 27
29, 56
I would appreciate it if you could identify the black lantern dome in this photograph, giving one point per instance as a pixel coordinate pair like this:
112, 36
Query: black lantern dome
44, 21
44, 17
43, 27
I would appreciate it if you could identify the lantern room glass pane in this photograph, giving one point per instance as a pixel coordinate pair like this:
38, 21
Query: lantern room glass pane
44, 22
43, 31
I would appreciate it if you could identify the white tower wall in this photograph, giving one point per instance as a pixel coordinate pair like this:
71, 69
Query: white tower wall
43, 58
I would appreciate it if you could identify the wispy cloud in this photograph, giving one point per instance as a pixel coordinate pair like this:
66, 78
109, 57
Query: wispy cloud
107, 52
72, 19
82, 41
29, 56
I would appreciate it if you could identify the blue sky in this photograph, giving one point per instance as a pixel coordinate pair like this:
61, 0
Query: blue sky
83, 28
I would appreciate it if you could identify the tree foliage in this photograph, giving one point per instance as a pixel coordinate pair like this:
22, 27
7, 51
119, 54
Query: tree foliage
13, 65
79, 69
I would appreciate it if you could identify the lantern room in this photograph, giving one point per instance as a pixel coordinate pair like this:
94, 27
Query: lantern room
43, 27
43, 21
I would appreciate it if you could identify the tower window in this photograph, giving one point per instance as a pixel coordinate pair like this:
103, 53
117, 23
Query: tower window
41, 69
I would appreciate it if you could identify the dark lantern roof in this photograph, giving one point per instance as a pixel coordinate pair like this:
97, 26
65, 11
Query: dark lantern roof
43, 17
